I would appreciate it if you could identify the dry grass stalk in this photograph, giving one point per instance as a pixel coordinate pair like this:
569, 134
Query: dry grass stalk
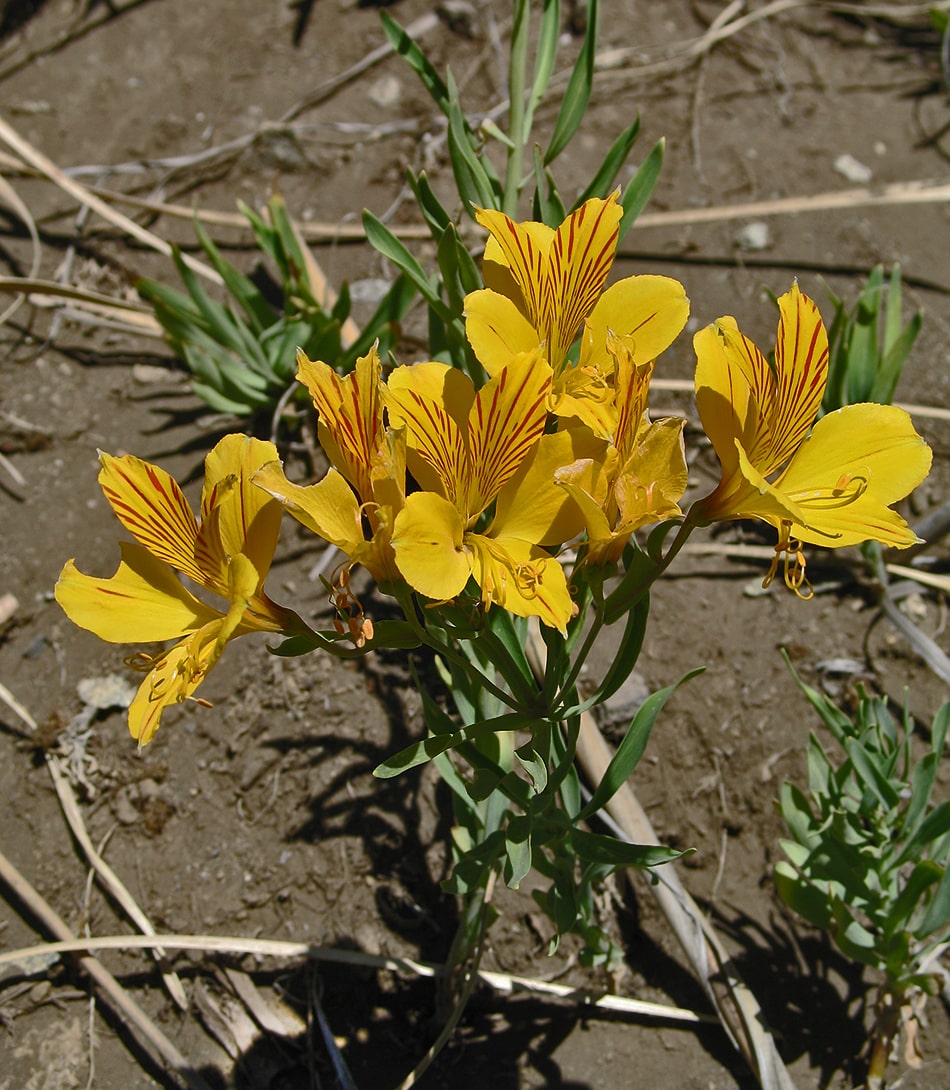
279, 948
113, 992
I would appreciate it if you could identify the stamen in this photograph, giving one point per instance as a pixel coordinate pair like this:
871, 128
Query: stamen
350, 617
790, 551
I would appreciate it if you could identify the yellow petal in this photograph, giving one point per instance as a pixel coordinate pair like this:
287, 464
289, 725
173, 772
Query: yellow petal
237, 516
532, 506
856, 462
144, 602
560, 286
506, 421
328, 508
173, 679
727, 367
429, 547
151, 506
350, 415
432, 402
496, 329
650, 309
521, 578
652, 482
801, 368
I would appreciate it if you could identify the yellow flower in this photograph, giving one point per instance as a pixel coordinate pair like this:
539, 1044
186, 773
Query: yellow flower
365, 486
829, 484
228, 553
546, 286
470, 449
642, 475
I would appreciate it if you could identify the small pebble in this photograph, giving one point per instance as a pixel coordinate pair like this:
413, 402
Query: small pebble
852, 169
753, 236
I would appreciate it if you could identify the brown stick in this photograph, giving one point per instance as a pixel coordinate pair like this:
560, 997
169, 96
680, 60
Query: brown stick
117, 997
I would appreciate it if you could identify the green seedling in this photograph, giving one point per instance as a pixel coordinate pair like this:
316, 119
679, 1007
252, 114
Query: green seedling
242, 352
868, 858
869, 345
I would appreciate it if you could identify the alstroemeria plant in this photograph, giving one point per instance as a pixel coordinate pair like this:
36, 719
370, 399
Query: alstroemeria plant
481, 508
828, 483
546, 287
228, 552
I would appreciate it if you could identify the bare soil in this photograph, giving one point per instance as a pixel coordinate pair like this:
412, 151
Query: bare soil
260, 816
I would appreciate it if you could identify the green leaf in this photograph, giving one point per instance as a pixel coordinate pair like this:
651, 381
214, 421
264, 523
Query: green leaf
802, 896
868, 771
577, 96
630, 750
924, 875
260, 313
517, 850
417, 61
625, 659
425, 749
938, 914
853, 938
473, 182
935, 825
606, 174
598, 848
544, 60
429, 204
640, 188
385, 242
797, 814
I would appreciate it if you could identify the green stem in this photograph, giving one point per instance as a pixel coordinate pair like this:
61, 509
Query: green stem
624, 597
517, 64
448, 652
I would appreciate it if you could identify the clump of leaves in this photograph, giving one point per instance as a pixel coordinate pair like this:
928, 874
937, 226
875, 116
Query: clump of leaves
868, 859
242, 352
868, 345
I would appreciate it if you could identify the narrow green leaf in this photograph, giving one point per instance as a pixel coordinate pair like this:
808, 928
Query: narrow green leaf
474, 184
630, 750
938, 914
605, 176
425, 749
577, 96
385, 242
544, 60
640, 188
599, 848
417, 61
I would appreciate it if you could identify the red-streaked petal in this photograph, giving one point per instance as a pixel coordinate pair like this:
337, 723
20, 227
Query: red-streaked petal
581, 255
801, 365
432, 401
350, 412
144, 602
507, 419
151, 506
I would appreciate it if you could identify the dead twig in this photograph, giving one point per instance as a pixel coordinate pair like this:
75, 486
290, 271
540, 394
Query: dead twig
28, 958
117, 997
106, 875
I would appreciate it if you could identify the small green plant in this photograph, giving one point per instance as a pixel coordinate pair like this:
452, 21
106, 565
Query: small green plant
869, 345
868, 858
526, 166
242, 353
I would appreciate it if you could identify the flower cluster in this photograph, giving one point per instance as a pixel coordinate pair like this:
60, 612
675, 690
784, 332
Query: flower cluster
455, 490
